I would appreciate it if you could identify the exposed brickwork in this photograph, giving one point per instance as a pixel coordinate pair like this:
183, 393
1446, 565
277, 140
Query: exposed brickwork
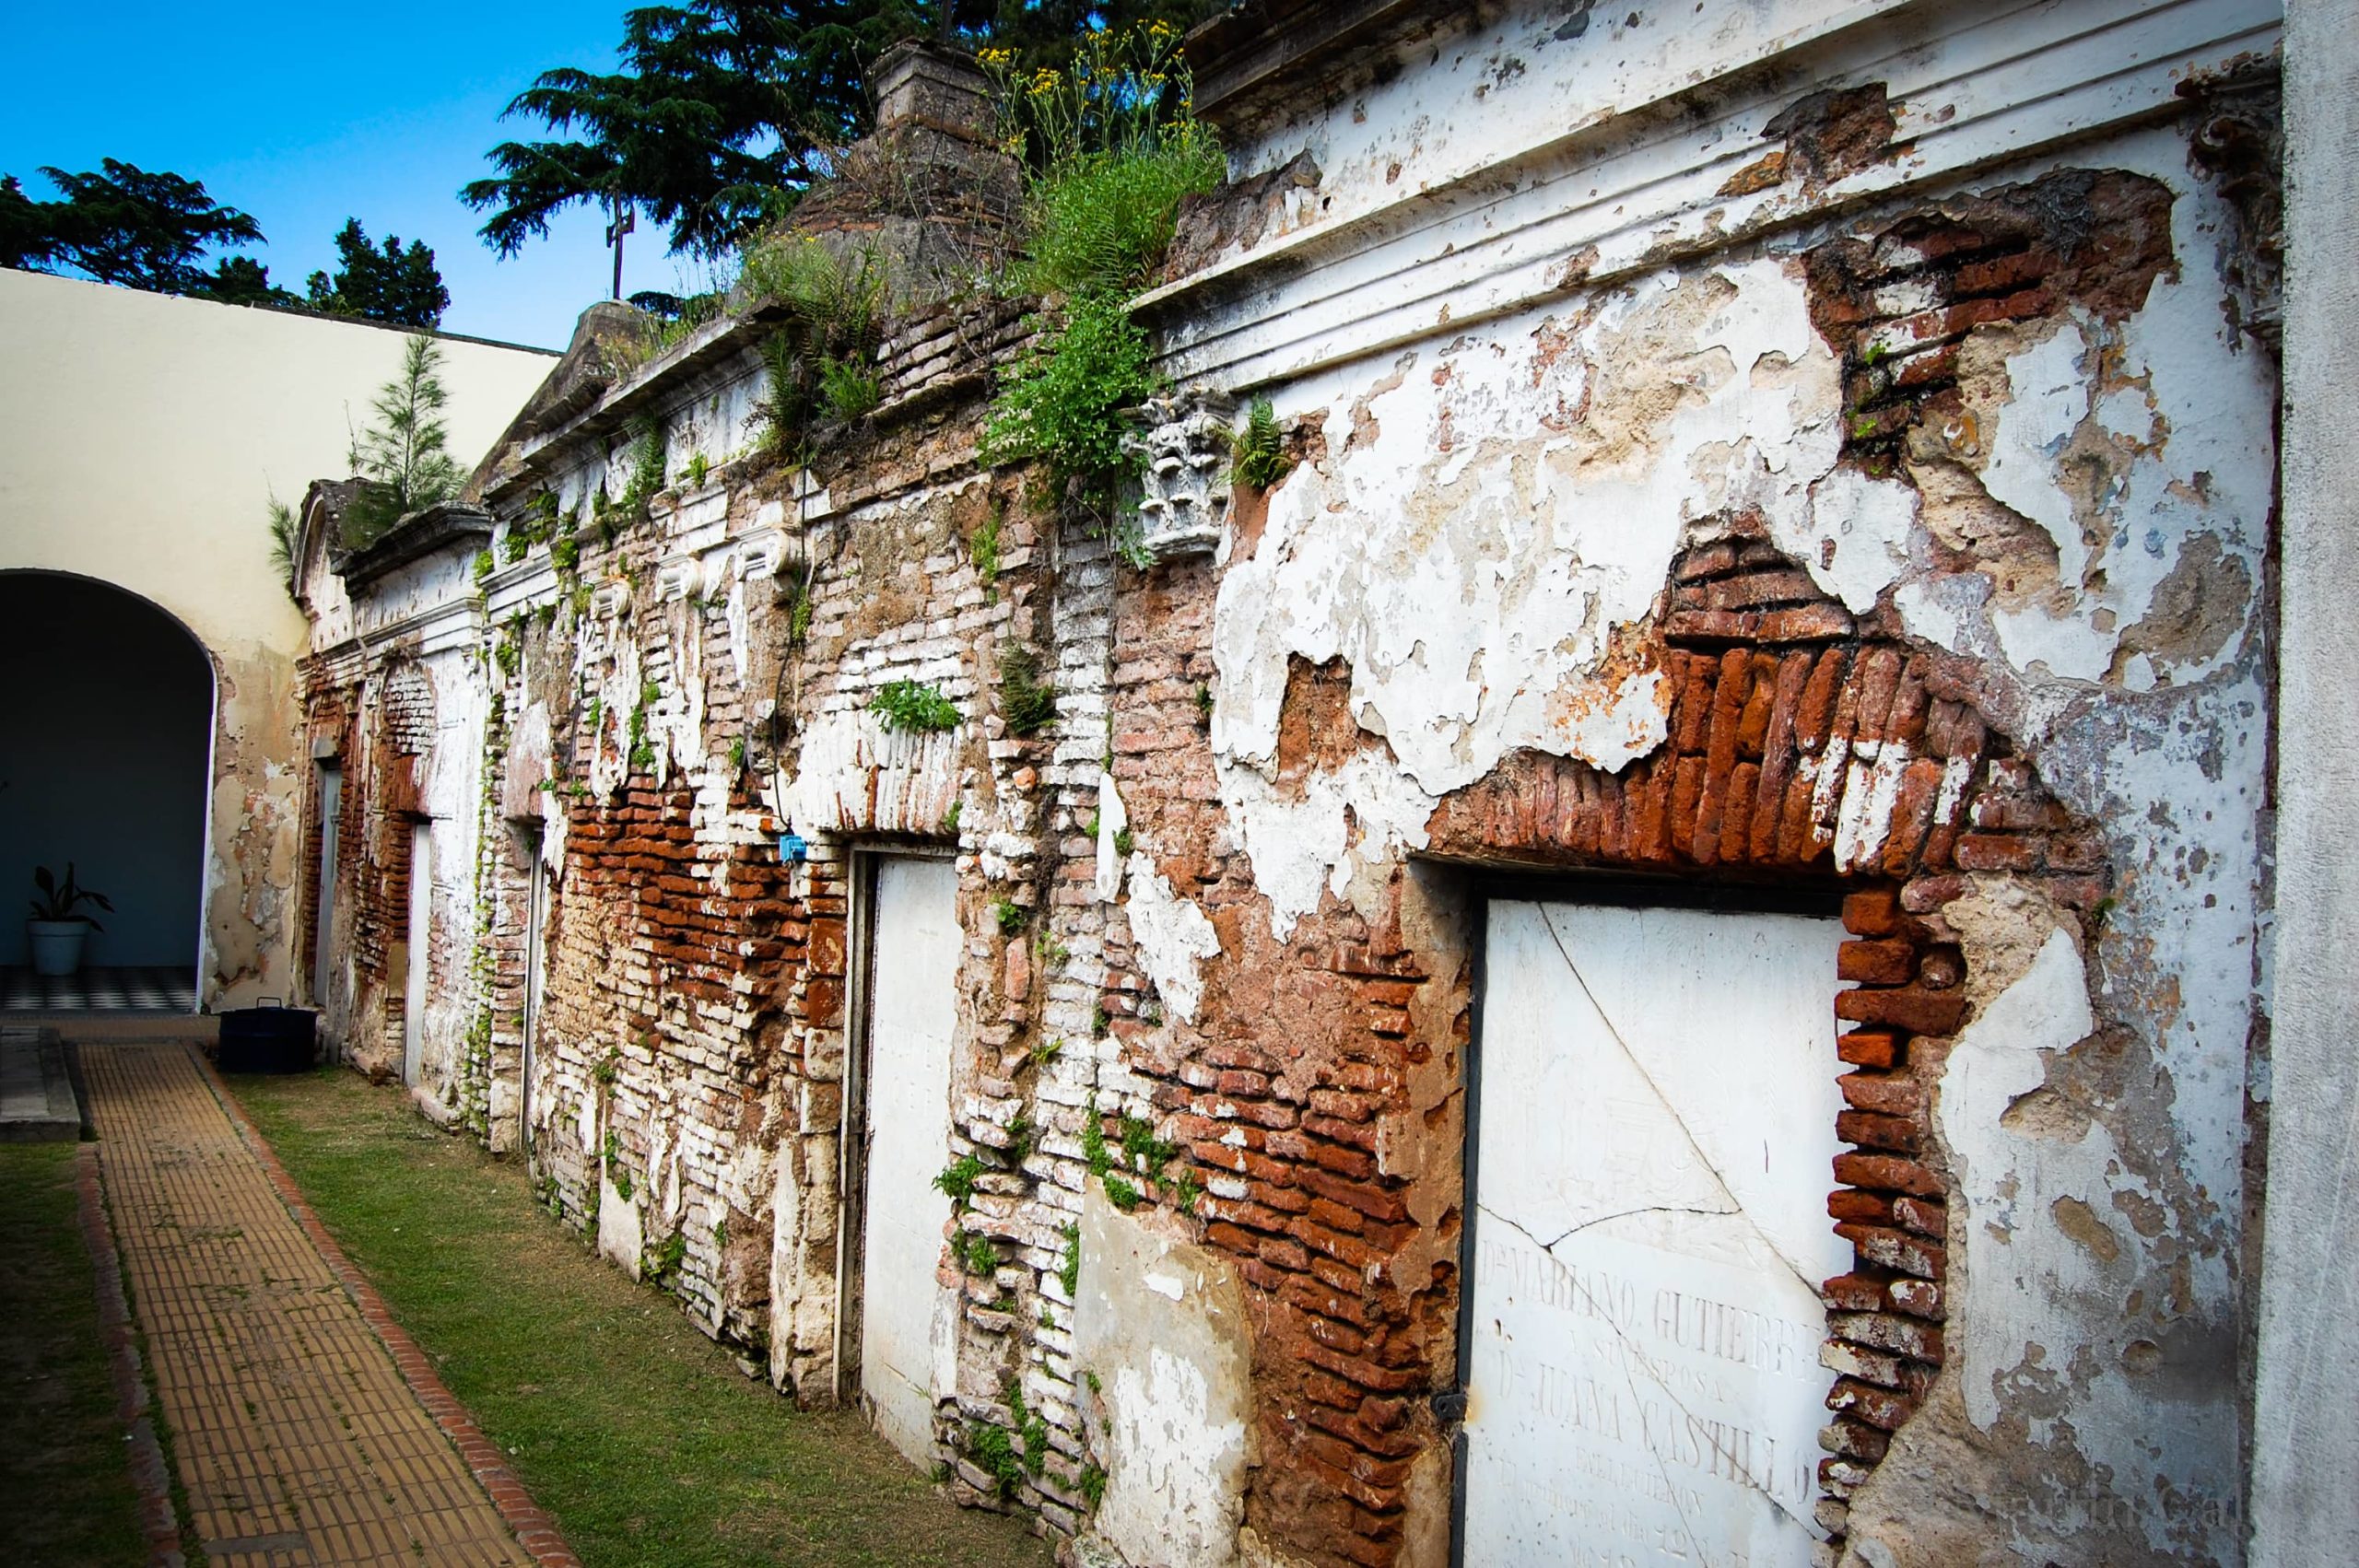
325, 721
1279, 1121
1899, 304
1801, 741
691, 1056
349, 710
407, 710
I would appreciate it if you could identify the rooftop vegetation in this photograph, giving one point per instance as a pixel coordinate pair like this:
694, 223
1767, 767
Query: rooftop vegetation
1111, 146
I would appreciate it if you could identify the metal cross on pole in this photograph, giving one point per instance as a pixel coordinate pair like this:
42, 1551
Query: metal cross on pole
625, 219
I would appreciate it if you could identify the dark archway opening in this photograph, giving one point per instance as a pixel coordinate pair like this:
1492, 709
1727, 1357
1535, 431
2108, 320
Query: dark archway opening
105, 761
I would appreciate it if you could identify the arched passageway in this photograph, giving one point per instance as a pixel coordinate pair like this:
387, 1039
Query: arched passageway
105, 761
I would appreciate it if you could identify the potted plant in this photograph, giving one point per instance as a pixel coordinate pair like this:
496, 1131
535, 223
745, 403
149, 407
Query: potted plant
58, 927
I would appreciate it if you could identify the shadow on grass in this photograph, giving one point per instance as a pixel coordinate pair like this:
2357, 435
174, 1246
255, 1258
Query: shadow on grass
66, 1495
637, 1432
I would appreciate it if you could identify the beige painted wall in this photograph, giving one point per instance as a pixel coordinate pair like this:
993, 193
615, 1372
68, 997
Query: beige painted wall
141, 438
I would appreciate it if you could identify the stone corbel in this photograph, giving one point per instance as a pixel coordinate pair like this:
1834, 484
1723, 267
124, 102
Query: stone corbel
1184, 488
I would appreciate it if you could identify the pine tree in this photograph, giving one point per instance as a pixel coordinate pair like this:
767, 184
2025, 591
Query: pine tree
241, 280
722, 109
381, 284
26, 240
285, 529
402, 460
123, 225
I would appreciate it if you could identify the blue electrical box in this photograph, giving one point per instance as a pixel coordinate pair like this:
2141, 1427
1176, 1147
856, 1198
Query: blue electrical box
793, 849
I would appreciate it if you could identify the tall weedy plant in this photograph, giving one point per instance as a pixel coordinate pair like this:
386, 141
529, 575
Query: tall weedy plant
822, 358
1110, 146
284, 527
402, 460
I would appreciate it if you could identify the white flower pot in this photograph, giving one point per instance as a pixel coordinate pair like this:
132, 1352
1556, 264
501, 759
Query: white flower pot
57, 946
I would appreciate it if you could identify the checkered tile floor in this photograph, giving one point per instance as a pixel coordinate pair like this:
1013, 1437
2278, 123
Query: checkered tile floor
147, 988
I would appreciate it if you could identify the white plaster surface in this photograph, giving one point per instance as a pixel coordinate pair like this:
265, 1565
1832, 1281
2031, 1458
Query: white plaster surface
1657, 1111
142, 436
1498, 502
1162, 1324
856, 774
2011, 1183
1486, 564
2306, 1447
1508, 160
621, 1230
914, 1013
1174, 937
1112, 818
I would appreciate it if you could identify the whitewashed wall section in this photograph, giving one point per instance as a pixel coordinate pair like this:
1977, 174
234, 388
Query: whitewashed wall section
1481, 216
1496, 502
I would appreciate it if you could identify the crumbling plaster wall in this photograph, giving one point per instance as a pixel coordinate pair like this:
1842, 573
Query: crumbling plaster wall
250, 897
450, 798
674, 689
1161, 1322
1485, 513
1530, 408
1475, 595
394, 695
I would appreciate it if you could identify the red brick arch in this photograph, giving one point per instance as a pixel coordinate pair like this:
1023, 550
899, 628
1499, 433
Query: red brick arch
1805, 742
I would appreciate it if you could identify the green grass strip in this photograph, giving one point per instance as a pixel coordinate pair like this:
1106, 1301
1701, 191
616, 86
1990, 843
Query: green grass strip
66, 1493
640, 1435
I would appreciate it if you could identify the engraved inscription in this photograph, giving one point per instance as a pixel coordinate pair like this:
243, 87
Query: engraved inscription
1656, 1121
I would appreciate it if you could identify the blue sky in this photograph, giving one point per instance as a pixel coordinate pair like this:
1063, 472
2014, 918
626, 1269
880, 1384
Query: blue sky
305, 115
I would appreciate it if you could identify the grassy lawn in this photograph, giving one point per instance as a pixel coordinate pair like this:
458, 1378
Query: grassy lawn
638, 1433
66, 1493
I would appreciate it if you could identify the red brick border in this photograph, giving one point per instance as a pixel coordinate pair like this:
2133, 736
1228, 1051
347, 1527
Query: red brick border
536, 1532
133, 1404
1791, 716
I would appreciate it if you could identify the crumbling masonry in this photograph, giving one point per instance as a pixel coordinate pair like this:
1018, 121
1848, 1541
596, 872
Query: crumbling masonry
1804, 458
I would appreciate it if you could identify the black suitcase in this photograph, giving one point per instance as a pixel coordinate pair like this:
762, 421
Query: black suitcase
269, 1038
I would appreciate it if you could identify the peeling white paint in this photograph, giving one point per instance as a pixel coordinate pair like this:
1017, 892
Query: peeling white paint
1169, 1440
856, 774
2008, 1182
1174, 937
1160, 1322
1495, 506
621, 1233
1861, 536
1472, 582
1112, 818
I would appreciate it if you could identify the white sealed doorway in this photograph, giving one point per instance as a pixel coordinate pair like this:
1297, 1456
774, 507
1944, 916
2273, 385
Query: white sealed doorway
330, 778
421, 935
912, 1011
1654, 1105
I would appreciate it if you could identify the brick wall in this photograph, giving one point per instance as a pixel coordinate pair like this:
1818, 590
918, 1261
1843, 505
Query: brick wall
376, 716
693, 1032
691, 1058
694, 1013
1806, 745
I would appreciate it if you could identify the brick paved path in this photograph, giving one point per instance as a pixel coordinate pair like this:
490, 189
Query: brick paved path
295, 1434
